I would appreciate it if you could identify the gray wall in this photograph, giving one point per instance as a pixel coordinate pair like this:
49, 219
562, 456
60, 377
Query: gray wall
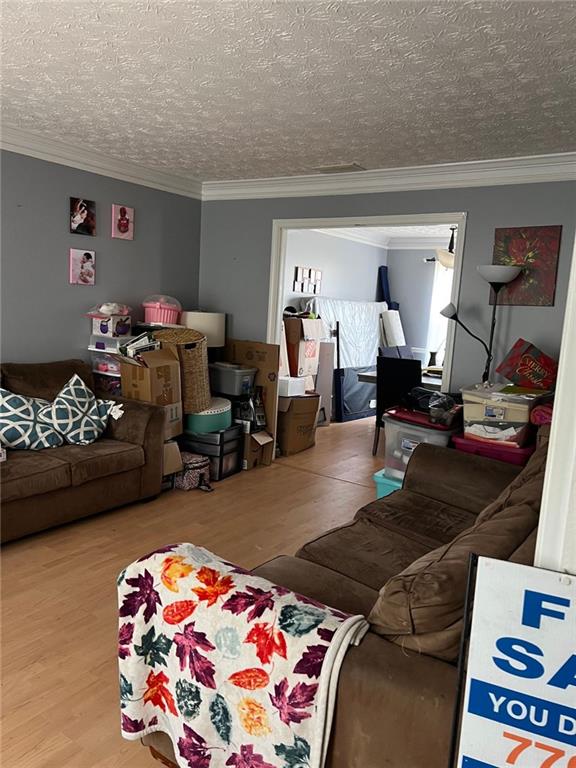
411, 282
236, 246
349, 269
42, 315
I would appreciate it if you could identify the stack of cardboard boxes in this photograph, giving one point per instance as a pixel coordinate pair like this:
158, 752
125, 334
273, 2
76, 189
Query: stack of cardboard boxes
155, 378
300, 401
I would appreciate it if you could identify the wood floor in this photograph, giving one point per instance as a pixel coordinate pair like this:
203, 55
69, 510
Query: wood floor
59, 626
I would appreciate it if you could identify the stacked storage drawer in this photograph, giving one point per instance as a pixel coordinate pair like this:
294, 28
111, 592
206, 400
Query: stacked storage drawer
223, 448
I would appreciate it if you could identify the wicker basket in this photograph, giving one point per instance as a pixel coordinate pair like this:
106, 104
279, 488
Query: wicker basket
192, 350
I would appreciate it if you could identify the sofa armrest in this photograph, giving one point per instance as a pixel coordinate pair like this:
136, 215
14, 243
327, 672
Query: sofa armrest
142, 424
456, 478
392, 703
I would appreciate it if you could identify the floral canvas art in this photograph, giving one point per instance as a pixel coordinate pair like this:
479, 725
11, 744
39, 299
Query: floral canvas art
536, 250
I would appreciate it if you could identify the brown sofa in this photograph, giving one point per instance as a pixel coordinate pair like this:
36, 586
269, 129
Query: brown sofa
41, 489
403, 562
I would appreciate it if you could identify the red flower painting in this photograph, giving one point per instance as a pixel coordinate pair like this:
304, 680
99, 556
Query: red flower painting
535, 249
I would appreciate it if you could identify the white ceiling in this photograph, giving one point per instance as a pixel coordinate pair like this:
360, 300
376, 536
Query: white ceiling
231, 89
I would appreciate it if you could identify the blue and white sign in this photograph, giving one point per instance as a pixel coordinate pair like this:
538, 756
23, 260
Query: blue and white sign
520, 697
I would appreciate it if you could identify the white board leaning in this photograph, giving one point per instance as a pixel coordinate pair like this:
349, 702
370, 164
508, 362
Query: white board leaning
520, 696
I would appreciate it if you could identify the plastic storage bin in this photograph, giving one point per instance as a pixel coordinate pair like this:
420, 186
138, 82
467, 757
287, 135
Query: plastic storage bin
402, 437
223, 448
385, 485
161, 309
105, 343
105, 364
230, 379
498, 451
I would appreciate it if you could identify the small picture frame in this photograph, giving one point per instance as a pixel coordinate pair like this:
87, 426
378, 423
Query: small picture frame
82, 267
122, 222
82, 216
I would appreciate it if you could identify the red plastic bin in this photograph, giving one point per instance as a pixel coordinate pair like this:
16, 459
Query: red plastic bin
499, 452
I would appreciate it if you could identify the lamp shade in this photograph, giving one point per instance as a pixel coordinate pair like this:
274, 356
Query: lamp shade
446, 258
211, 324
449, 311
498, 273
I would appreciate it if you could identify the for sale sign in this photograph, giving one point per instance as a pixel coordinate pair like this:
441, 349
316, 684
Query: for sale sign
520, 697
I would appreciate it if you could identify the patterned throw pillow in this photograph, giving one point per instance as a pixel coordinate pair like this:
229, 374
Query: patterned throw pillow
22, 426
78, 415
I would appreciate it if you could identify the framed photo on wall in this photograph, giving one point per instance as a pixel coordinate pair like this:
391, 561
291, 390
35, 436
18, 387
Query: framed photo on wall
82, 216
122, 222
82, 267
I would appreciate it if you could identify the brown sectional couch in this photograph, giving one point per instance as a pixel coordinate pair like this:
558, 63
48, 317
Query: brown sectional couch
41, 489
403, 563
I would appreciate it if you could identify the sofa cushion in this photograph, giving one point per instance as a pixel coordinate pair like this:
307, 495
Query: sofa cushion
26, 474
22, 426
77, 414
422, 606
427, 520
43, 379
100, 459
364, 551
527, 487
319, 583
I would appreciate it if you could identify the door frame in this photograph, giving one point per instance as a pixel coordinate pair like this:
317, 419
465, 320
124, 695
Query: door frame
280, 228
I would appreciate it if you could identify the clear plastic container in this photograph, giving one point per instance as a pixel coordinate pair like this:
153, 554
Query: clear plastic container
401, 440
231, 379
105, 364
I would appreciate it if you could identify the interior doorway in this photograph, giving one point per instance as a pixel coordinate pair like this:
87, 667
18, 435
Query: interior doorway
414, 251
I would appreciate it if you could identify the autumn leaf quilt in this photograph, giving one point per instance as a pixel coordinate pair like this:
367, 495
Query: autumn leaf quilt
236, 670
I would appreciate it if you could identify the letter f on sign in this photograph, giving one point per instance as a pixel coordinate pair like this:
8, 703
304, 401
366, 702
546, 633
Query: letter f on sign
535, 607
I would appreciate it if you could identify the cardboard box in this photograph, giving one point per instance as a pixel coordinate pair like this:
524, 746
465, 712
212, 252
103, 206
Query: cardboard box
325, 381
284, 366
528, 366
112, 325
258, 450
266, 358
173, 424
303, 344
153, 379
172, 460
297, 423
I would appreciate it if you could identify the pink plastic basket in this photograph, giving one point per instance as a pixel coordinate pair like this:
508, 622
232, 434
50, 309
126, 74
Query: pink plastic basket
159, 312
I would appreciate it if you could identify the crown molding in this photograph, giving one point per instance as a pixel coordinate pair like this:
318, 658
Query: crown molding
54, 151
412, 243
479, 173
424, 243
357, 236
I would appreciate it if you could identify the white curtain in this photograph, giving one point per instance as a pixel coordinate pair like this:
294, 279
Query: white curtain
438, 325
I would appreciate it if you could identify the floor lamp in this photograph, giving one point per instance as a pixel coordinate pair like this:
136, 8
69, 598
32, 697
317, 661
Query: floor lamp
497, 275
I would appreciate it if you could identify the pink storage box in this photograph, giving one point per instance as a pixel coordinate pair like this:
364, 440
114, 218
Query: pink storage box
497, 451
161, 309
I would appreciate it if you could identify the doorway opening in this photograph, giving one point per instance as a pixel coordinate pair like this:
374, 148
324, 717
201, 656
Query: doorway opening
333, 267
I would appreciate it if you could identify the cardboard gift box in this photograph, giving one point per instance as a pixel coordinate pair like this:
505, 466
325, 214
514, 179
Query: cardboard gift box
303, 345
297, 423
528, 366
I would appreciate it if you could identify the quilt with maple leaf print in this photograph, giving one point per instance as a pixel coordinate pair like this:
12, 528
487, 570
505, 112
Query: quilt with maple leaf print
236, 670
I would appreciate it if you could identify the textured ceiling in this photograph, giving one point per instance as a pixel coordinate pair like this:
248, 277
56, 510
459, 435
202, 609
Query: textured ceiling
228, 89
383, 236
